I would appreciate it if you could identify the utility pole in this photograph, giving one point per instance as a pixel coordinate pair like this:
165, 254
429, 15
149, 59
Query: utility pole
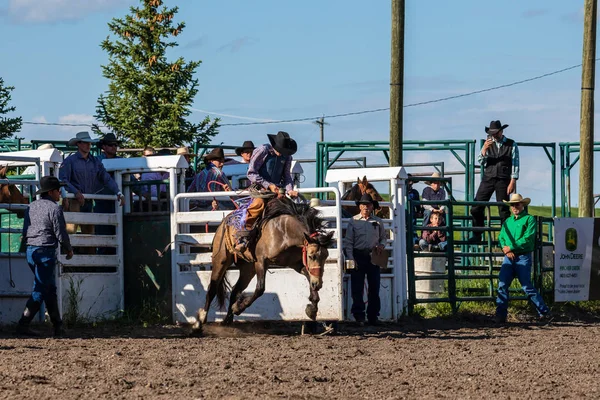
586, 138
397, 83
321, 122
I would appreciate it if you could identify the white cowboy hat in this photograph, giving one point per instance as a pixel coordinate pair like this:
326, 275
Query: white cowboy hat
434, 175
45, 146
184, 151
516, 198
81, 137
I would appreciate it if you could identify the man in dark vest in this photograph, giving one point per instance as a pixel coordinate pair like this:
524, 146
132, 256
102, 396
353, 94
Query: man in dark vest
499, 158
269, 169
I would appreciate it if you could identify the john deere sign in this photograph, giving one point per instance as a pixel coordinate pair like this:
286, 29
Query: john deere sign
577, 259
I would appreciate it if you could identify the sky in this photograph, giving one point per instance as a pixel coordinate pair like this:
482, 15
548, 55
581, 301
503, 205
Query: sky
272, 60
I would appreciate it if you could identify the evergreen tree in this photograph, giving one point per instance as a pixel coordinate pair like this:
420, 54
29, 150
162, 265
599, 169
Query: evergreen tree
148, 98
8, 126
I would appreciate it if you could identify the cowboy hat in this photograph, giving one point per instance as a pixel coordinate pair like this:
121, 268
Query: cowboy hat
81, 137
434, 175
495, 127
45, 146
48, 183
184, 151
215, 154
367, 199
109, 138
516, 198
248, 145
283, 143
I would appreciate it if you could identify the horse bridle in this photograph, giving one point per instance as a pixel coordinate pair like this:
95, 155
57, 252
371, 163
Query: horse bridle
305, 254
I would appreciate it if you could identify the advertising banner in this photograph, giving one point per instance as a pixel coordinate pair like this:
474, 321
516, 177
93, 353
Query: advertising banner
573, 258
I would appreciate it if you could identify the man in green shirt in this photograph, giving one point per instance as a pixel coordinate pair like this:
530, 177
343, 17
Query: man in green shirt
517, 240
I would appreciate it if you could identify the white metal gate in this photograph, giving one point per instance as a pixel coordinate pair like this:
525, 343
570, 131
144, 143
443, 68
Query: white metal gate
286, 293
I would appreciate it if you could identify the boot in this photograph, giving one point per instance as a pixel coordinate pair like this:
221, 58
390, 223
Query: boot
31, 309
54, 313
243, 239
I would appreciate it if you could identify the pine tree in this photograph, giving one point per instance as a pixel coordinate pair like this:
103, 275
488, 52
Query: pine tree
148, 98
8, 126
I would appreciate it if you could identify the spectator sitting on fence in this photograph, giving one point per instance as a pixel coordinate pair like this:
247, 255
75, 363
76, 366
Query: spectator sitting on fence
434, 192
433, 240
155, 191
211, 178
85, 174
417, 209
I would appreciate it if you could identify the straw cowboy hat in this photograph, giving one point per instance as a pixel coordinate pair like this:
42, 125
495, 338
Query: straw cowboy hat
495, 127
434, 175
367, 199
81, 137
516, 198
46, 146
109, 138
48, 183
247, 146
184, 151
283, 143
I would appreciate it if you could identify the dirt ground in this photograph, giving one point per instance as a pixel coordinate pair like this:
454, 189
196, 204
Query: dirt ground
425, 359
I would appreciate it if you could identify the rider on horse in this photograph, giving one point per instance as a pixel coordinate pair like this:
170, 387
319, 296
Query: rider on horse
269, 170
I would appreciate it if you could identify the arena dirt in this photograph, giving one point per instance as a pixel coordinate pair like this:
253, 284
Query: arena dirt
465, 359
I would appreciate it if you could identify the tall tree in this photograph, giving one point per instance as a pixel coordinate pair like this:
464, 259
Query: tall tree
8, 125
148, 97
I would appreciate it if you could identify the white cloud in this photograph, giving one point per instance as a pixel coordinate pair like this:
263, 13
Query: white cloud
44, 11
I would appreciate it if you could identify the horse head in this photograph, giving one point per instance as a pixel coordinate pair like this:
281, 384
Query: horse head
314, 255
10, 194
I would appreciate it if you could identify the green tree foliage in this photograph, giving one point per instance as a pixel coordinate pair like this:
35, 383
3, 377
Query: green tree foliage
8, 126
149, 98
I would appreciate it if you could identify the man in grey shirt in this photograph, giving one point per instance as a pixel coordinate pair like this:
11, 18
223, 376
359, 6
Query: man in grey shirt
44, 229
365, 234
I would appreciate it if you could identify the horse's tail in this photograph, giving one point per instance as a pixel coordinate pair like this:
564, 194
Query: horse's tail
223, 286
222, 290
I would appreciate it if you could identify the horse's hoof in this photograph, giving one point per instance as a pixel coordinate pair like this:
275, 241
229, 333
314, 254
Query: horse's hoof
236, 308
196, 329
309, 328
202, 316
311, 311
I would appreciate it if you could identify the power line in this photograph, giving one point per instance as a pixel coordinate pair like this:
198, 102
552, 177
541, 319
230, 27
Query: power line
350, 113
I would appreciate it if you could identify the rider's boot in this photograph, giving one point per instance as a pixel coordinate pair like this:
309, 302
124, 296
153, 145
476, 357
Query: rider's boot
243, 239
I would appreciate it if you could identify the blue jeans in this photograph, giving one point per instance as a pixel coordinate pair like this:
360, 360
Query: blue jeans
42, 261
521, 268
364, 267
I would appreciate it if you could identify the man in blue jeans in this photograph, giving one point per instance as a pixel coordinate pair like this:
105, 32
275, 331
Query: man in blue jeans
44, 229
517, 239
365, 234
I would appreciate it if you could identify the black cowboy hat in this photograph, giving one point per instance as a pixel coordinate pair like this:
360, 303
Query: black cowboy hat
367, 199
48, 183
283, 143
108, 139
495, 127
248, 145
214, 154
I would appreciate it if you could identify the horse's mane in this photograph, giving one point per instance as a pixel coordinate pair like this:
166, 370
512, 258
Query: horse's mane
309, 216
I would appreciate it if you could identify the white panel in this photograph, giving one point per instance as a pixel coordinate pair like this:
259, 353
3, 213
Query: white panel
99, 295
201, 217
200, 239
194, 259
83, 260
90, 218
85, 240
285, 298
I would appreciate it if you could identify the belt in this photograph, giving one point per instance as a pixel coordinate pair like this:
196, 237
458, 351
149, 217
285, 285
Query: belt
522, 254
364, 251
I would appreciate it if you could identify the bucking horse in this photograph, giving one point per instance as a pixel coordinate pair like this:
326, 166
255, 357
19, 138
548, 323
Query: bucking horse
288, 235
